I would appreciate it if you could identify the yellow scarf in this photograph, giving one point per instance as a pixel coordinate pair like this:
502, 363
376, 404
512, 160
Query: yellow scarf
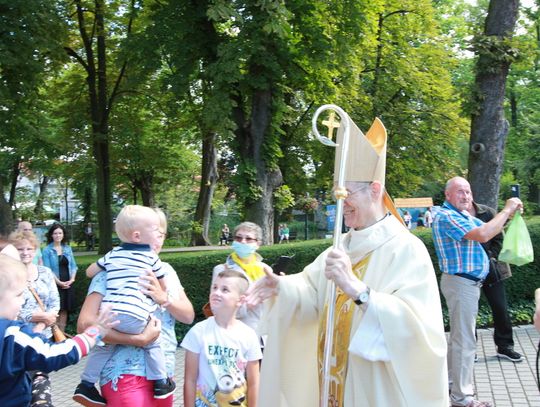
343, 316
251, 266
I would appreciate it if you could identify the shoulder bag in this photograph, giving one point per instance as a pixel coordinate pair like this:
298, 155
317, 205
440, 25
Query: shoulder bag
58, 334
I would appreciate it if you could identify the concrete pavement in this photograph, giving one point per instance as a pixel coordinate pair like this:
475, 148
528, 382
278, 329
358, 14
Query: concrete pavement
499, 381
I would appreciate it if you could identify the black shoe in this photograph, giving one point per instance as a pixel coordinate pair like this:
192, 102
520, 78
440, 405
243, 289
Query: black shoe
164, 388
509, 354
475, 358
88, 396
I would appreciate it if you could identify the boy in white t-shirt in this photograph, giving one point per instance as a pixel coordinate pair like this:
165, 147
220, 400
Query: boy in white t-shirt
138, 227
222, 353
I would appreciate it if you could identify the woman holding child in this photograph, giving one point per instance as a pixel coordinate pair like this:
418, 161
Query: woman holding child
123, 379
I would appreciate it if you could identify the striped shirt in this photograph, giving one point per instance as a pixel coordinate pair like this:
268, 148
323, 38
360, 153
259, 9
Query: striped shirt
457, 254
124, 266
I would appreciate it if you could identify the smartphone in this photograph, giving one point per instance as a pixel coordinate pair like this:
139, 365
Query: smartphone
514, 190
282, 264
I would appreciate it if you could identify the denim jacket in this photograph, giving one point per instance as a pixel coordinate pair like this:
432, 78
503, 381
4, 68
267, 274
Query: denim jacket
50, 259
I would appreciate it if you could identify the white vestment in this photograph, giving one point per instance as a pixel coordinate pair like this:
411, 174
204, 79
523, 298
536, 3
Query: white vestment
403, 325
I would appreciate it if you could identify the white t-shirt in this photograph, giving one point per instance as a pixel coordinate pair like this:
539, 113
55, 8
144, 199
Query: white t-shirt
223, 357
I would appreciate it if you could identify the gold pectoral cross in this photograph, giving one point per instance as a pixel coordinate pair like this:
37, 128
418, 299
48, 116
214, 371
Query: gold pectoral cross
331, 123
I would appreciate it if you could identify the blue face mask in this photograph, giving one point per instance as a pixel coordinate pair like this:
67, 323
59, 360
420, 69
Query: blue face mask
244, 250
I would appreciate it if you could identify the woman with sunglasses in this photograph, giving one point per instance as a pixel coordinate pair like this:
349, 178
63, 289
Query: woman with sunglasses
247, 237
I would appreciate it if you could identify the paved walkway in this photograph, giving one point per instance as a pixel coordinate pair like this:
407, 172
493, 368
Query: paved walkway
501, 382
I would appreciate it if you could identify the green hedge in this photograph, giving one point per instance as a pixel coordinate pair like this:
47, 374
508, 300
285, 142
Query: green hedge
195, 270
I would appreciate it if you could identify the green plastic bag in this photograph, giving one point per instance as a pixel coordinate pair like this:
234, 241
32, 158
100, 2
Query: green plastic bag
517, 246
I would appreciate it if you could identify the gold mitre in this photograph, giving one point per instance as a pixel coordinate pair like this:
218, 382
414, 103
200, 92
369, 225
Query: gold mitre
366, 158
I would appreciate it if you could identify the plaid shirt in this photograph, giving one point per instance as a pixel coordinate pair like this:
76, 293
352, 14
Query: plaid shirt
456, 254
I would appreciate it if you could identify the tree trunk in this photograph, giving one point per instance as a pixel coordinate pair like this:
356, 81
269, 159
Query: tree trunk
251, 142
87, 204
145, 184
15, 172
489, 127
38, 208
100, 136
199, 237
96, 69
6, 215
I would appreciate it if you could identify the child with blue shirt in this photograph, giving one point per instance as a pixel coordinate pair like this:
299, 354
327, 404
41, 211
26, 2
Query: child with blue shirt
138, 228
21, 350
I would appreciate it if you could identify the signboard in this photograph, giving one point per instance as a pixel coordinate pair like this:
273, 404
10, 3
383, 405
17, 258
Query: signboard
413, 202
330, 217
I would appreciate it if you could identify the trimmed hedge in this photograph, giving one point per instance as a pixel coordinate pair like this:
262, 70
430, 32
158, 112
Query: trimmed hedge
195, 270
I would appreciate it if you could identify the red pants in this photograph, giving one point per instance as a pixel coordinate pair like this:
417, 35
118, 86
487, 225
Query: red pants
133, 391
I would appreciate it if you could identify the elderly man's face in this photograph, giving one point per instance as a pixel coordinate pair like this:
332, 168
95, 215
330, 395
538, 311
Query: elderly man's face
24, 226
459, 194
358, 209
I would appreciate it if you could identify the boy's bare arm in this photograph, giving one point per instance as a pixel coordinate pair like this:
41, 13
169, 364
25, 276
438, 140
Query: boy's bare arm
191, 371
92, 270
252, 376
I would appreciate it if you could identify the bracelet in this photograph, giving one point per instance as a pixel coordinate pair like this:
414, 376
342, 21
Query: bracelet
95, 333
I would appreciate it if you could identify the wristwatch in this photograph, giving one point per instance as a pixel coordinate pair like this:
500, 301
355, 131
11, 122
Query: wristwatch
363, 297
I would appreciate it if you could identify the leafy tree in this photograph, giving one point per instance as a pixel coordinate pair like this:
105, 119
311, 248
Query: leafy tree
401, 73
28, 53
188, 76
523, 95
147, 149
272, 55
99, 26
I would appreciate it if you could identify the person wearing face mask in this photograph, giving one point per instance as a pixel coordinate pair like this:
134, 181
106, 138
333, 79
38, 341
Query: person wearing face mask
247, 238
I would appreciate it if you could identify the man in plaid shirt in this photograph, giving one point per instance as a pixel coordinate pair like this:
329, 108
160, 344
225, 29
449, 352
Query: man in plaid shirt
464, 265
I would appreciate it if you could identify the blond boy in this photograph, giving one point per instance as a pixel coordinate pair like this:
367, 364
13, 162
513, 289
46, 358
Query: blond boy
21, 349
222, 353
138, 229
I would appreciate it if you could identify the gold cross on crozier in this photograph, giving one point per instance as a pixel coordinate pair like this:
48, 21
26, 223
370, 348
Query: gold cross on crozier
331, 123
